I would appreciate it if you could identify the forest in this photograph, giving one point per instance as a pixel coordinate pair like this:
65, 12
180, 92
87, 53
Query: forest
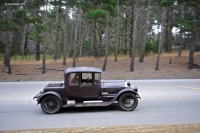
65, 29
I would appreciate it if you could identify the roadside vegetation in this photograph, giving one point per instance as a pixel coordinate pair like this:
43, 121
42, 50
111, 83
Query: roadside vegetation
71, 29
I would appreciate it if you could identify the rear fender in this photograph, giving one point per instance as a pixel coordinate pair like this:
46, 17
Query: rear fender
49, 93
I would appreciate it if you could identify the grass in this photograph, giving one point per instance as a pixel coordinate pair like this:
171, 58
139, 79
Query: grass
1, 57
49, 58
31, 57
26, 58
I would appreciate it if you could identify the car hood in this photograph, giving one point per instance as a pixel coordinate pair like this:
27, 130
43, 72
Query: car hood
113, 87
113, 84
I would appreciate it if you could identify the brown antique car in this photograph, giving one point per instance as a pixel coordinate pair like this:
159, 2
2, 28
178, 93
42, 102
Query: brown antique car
83, 87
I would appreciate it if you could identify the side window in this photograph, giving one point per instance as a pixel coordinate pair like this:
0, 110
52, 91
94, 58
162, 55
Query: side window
86, 78
73, 79
97, 77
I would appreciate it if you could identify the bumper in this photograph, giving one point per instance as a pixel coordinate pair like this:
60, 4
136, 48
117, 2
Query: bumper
38, 95
136, 90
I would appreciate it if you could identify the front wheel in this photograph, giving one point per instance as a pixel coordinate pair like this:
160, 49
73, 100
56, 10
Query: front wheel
51, 104
128, 102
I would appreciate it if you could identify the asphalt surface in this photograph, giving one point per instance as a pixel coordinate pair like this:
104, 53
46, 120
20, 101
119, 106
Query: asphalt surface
164, 102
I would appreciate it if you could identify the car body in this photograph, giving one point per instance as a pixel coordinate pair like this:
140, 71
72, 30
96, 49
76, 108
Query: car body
82, 87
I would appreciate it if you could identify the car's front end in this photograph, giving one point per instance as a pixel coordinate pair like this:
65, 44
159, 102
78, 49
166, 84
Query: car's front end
112, 89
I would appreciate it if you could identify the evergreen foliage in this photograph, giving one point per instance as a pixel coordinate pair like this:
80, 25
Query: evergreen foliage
84, 24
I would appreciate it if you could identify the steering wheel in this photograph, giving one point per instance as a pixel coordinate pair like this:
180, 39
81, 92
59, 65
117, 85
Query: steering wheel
87, 80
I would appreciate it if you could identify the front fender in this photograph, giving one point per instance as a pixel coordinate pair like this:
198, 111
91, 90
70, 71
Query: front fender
134, 91
127, 90
49, 93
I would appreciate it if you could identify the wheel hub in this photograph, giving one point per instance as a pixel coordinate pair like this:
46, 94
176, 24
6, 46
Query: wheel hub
51, 104
128, 102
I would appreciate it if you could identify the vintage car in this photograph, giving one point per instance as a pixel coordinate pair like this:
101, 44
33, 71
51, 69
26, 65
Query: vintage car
83, 87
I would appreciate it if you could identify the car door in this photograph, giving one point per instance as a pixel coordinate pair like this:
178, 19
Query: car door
73, 86
89, 88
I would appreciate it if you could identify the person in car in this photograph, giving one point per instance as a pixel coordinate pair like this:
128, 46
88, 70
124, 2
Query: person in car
69, 78
76, 79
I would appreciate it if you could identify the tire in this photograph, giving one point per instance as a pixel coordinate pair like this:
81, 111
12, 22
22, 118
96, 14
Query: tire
128, 101
51, 104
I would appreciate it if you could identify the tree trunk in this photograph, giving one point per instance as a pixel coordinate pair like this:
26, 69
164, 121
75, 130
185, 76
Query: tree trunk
71, 39
95, 40
9, 37
161, 37
75, 42
191, 59
107, 42
59, 44
117, 33
135, 16
56, 34
120, 47
180, 50
38, 41
44, 39
192, 48
8, 42
170, 39
37, 51
182, 33
91, 41
125, 35
100, 43
166, 42
80, 37
144, 39
131, 29
141, 24
65, 38
23, 40
170, 31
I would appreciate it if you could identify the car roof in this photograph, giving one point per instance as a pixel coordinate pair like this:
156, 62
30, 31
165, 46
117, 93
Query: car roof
82, 69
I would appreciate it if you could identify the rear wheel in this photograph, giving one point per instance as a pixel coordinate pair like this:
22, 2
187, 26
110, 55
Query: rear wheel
128, 102
51, 104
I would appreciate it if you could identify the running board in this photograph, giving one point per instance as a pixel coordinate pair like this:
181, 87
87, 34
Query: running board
89, 104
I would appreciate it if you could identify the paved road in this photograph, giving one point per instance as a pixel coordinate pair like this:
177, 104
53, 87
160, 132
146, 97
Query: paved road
163, 102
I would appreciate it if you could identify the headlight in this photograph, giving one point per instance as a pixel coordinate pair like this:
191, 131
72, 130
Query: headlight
129, 84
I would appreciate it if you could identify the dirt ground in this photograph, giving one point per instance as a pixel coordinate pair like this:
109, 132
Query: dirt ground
31, 70
195, 128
